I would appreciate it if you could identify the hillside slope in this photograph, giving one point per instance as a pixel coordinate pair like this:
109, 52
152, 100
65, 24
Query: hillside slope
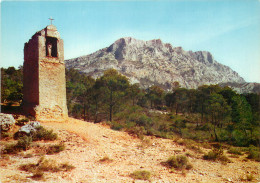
87, 143
154, 62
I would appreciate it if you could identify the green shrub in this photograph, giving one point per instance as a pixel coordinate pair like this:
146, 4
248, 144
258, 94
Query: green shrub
235, 150
140, 119
130, 124
24, 143
190, 144
185, 133
224, 135
56, 148
239, 138
180, 123
21, 122
255, 138
44, 134
5, 135
200, 135
116, 126
224, 159
11, 149
216, 154
244, 149
42, 165
179, 162
205, 127
211, 155
18, 135
46, 165
144, 120
161, 134
254, 153
139, 131
164, 127
141, 174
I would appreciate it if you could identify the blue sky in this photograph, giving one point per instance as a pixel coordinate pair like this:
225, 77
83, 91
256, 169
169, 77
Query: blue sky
229, 29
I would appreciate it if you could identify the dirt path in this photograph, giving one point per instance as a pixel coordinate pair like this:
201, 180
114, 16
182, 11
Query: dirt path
87, 143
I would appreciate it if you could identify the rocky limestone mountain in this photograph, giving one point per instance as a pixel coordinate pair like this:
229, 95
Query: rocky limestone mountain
243, 87
154, 62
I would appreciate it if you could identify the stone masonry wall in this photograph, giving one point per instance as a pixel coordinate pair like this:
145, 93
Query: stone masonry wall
44, 76
31, 76
52, 90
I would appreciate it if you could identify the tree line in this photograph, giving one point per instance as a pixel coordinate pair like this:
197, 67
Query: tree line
11, 84
219, 113
208, 105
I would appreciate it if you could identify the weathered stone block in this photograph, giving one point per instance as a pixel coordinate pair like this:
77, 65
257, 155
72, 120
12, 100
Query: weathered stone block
30, 127
6, 121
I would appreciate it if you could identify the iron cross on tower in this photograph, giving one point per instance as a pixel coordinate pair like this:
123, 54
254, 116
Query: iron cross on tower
51, 19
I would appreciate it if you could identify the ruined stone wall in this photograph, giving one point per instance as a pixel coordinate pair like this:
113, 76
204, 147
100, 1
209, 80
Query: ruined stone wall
30, 76
44, 76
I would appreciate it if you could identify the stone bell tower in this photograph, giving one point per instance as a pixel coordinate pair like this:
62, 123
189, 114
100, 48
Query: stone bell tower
44, 93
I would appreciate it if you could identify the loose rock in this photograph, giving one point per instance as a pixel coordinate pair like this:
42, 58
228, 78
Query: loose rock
30, 127
6, 121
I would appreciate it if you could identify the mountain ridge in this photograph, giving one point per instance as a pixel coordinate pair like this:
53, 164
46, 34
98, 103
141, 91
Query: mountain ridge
156, 63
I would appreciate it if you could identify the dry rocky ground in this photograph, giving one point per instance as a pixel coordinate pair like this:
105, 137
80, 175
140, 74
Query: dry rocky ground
87, 143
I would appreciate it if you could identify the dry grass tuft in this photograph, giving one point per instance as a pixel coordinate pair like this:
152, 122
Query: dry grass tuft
141, 175
45, 165
216, 154
179, 162
105, 159
54, 149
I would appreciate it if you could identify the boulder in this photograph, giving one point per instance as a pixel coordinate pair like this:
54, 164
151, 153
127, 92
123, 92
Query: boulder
6, 121
30, 127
